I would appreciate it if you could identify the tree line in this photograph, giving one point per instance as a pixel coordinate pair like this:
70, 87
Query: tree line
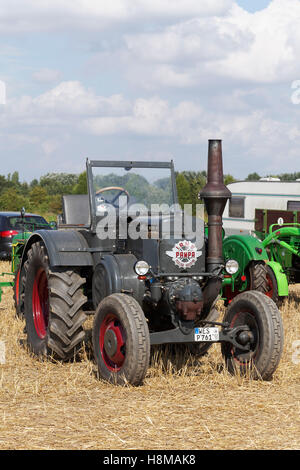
44, 195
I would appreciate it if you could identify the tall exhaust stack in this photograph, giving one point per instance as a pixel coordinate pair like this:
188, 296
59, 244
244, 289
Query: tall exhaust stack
215, 195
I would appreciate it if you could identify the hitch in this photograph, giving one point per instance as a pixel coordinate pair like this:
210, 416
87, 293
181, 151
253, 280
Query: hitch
240, 336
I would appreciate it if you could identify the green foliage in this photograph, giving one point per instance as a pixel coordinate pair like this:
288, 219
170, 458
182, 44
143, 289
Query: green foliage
253, 177
138, 187
11, 200
229, 179
81, 186
289, 176
58, 183
43, 196
183, 190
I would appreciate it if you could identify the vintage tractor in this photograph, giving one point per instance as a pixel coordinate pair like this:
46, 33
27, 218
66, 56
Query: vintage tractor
26, 226
141, 275
280, 235
255, 269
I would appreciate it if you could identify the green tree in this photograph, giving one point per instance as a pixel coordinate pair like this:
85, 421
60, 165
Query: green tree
37, 197
253, 177
15, 178
183, 190
58, 183
229, 179
81, 186
11, 200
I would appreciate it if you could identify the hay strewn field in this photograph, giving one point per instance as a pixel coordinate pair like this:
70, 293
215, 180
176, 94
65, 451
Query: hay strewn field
189, 405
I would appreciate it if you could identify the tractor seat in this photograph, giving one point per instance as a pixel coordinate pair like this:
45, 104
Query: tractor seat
76, 210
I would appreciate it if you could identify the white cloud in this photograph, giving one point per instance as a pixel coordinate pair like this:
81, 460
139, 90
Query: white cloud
19, 16
261, 47
201, 69
68, 99
49, 146
47, 75
273, 52
71, 105
197, 39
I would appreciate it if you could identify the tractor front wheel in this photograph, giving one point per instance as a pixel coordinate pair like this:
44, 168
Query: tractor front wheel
262, 317
53, 303
121, 340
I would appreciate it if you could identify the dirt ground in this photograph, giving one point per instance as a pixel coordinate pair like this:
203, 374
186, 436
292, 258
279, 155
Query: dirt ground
184, 404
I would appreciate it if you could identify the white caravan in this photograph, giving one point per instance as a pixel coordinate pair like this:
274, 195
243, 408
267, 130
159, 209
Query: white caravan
239, 213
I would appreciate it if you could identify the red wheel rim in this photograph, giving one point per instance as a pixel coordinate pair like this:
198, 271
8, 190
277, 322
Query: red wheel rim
40, 303
270, 287
112, 342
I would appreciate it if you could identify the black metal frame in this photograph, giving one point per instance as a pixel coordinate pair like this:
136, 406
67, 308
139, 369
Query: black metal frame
90, 164
187, 335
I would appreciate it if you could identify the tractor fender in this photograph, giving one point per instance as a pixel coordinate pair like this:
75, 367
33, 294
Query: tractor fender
282, 282
244, 249
64, 247
115, 274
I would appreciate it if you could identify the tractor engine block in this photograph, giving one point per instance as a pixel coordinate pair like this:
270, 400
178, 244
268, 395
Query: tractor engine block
186, 298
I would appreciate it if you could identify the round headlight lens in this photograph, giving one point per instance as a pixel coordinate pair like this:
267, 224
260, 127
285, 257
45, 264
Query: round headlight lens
141, 268
232, 266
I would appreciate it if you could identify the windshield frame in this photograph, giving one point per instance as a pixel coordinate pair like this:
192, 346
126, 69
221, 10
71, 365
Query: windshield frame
90, 164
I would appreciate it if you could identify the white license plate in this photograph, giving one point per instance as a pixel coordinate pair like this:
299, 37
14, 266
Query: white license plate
207, 334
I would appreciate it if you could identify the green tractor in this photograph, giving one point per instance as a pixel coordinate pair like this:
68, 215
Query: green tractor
269, 260
280, 235
254, 269
18, 242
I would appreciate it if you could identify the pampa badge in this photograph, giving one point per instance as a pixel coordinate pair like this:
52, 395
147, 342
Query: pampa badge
184, 254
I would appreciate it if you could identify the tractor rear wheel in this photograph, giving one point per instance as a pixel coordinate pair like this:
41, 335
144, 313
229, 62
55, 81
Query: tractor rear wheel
53, 303
261, 315
121, 340
258, 276
272, 291
18, 290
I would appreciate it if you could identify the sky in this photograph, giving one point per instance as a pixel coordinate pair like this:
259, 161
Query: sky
149, 80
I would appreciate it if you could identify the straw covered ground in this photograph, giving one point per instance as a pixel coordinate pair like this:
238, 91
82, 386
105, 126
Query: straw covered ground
185, 403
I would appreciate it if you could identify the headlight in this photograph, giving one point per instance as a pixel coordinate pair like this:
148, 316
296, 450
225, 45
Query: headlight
232, 266
141, 268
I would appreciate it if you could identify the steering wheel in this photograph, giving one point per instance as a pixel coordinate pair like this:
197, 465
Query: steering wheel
109, 188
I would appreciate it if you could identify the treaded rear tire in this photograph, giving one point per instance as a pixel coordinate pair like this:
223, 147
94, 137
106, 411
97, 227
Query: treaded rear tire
262, 316
273, 287
258, 276
53, 303
18, 290
121, 340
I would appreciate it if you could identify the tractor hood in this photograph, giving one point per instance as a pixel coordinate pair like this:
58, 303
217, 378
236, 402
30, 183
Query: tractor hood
170, 244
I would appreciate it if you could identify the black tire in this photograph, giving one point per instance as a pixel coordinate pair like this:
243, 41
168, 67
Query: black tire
18, 290
263, 318
258, 276
17, 294
272, 291
52, 307
121, 340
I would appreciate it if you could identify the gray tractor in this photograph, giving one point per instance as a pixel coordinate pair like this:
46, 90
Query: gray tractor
123, 254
